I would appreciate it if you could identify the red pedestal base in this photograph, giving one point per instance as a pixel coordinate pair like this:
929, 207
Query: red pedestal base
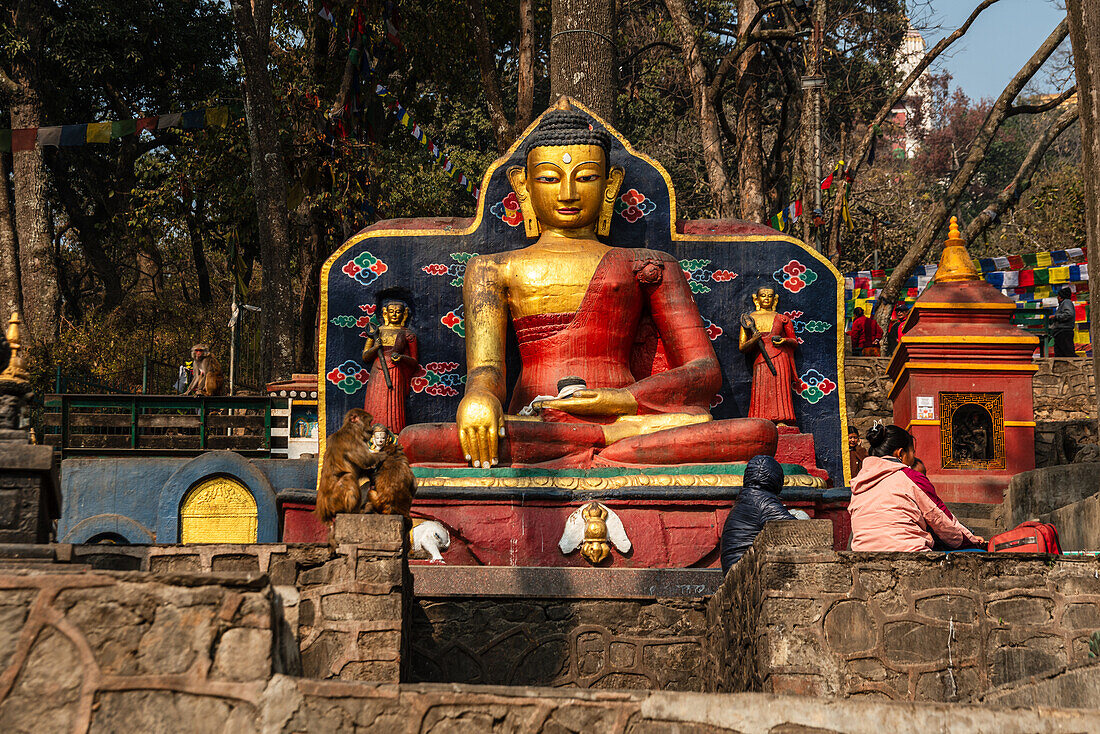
522, 530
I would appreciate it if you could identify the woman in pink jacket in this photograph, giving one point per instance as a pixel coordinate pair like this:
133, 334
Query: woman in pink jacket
889, 511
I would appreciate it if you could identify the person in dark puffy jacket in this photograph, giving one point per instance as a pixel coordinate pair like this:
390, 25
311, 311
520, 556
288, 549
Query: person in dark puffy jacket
757, 504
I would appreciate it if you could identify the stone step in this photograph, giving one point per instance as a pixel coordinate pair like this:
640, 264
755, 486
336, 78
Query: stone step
972, 509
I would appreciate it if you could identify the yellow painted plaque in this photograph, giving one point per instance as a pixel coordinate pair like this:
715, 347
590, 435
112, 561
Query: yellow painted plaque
219, 510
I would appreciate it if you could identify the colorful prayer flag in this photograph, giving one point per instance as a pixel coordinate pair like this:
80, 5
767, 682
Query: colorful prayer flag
99, 132
49, 136
194, 119
74, 135
326, 14
23, 139
123, 128
168, 121
217, 116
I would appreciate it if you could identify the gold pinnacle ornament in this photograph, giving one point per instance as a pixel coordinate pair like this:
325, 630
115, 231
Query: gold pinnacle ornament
14, 369
955, 263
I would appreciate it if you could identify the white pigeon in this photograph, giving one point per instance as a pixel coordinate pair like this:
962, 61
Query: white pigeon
431, 537
573, 535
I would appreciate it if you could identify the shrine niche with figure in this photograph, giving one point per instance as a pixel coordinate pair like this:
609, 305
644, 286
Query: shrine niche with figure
575, 336
972, 434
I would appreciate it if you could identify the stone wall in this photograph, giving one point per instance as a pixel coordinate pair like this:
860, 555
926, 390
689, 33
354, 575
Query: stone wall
1041, 493
936, 627
71, 643
1063, 399
343, 607
586, 628
866, 387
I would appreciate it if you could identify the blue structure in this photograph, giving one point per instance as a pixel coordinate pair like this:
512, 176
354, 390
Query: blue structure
138, 500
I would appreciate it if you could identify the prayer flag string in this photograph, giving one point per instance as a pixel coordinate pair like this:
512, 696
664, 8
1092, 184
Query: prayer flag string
66, 136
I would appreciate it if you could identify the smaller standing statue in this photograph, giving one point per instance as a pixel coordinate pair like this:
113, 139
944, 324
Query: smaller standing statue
393, 358
770, 336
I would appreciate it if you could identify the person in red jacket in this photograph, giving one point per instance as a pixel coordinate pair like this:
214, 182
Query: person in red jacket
865, 335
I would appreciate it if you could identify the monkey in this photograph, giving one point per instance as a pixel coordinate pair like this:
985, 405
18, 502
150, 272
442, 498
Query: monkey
348, 461
394, 483
208, 379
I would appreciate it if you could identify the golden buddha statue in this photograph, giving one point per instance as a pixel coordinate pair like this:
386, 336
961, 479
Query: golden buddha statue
580, 309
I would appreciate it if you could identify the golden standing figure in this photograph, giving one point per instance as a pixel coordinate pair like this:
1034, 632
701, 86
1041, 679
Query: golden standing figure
577, 306
769, 336
391, 351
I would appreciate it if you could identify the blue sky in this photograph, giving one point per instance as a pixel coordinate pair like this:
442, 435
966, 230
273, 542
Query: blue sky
996, 46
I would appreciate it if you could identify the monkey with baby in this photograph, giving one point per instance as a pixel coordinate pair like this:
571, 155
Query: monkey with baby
364, 471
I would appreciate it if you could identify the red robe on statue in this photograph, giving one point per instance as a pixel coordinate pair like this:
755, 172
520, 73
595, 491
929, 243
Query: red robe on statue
386, 405
771, 394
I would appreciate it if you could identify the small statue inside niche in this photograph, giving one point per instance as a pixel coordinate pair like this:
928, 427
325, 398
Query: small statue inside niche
392, 354
769, 337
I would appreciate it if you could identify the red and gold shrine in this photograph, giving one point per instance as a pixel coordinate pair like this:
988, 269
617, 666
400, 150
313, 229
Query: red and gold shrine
962, 382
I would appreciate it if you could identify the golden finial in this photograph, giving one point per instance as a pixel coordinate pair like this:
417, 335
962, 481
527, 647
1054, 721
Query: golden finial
955, 263
15, 369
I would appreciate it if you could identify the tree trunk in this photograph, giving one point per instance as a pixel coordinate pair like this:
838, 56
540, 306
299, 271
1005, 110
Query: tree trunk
978, 149
582, 54
253, 26
525, 86
11, 295
750, 134
1084, 31
37, 266
308, 304
710, 131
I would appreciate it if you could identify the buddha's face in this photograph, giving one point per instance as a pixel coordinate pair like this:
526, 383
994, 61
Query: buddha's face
766, 299
393, 313
566, 184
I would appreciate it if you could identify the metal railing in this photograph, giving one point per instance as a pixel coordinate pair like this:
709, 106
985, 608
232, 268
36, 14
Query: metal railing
165, 425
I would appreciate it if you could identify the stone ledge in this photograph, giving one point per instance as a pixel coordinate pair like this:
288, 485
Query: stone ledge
540, 582
419, 707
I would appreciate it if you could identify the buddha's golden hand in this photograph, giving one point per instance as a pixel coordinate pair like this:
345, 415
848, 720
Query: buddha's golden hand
595, 401
480, 421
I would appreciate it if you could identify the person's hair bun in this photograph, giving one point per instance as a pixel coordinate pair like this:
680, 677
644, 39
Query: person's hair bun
876, 435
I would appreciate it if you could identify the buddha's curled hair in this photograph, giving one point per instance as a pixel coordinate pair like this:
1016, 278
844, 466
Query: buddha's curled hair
567, 127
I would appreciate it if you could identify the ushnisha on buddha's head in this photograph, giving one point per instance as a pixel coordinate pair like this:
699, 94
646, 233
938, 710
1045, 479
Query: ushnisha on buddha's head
567, 187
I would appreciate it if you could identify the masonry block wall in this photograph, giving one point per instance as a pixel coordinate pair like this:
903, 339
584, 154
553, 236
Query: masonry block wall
930, 627
73, 642
342, 607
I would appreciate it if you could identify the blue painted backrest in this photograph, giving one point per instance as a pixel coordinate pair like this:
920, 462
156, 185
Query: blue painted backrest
723, 272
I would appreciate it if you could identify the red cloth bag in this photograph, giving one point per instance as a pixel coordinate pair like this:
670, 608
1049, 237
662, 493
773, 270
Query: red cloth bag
1027, 537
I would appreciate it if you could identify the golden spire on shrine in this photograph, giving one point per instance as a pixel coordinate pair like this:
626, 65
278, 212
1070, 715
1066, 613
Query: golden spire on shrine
955, 262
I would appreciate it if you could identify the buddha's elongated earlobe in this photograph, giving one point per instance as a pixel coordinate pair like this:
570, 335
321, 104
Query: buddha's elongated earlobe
517, 175
610, 194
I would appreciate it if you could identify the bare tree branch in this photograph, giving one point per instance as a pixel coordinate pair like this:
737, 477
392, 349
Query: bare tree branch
1050, 104
1022, 180
978, 148
899, 92
745, 39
